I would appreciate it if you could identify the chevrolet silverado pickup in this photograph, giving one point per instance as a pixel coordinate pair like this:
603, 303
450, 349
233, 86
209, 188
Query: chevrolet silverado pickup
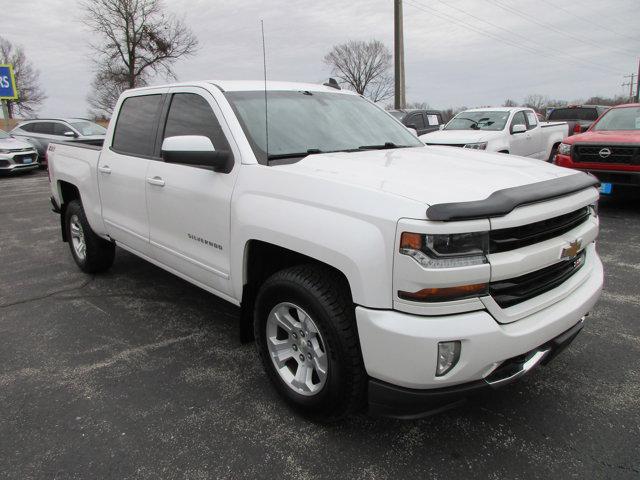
372, 271
513, 130
609, 149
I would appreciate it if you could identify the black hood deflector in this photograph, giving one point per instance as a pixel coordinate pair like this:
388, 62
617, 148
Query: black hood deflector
502, 202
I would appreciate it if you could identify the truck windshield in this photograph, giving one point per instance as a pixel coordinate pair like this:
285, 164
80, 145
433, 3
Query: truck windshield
478, 121
302, 123
89, 128
626, 118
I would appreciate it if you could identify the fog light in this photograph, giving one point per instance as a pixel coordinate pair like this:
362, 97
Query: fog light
448, 356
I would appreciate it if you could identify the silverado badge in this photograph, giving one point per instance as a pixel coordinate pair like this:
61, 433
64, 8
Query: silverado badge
572, 250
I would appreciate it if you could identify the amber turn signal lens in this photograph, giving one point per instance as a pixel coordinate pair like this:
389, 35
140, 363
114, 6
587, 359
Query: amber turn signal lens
444, 294
411, 240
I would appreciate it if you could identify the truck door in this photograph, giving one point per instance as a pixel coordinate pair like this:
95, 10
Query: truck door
520, 143
122, 171
535, 139
189, 206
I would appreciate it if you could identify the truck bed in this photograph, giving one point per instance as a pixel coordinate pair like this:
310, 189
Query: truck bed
76, 163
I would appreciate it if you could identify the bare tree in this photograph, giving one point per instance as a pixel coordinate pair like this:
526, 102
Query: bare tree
417, 106
27, 77
363, 67
537, 102
136, 42
510, 103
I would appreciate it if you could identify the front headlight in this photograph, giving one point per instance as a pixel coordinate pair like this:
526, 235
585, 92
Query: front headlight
476, 146
564, 149
446, 251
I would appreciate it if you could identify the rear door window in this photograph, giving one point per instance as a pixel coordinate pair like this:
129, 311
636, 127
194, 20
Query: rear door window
135, 131
532, 120
45, 128
29, 127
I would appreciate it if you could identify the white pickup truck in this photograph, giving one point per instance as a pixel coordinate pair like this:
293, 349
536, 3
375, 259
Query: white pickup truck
513, 130
373, 271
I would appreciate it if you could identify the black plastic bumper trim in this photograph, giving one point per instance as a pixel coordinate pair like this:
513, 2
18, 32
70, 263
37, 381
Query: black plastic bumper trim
502, 202
388, 400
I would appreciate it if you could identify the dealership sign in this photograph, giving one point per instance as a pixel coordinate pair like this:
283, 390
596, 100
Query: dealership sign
8, 90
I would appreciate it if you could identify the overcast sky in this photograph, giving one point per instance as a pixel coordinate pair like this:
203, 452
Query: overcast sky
457, 52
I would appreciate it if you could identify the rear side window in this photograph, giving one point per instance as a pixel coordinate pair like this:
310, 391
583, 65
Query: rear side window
532, 120
45, 128
190, 114
588, 114
434, 120
28, 127
135, 131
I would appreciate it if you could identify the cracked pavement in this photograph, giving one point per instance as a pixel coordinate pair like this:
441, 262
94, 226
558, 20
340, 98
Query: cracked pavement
138, 374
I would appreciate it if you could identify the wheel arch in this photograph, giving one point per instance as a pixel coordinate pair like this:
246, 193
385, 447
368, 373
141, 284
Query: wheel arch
262, 259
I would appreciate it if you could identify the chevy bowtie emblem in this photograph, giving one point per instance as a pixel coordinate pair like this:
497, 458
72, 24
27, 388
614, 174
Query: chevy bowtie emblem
572, 250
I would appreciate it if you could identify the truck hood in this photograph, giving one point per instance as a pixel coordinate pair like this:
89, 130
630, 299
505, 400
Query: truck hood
429, 175
458, 137
621, 136
14, 144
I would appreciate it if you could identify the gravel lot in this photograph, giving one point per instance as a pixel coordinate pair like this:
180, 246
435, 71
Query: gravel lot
137, 373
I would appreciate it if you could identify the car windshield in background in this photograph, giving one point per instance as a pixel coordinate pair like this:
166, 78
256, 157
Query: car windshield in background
588, 114
627, 118
302, 123
478, 121
4, 134
89, 128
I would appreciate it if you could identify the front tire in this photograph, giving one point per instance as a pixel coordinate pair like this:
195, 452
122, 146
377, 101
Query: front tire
91, 253
306, 336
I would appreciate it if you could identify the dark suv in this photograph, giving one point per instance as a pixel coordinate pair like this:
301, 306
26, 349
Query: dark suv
42, 131
579, 117
422, 121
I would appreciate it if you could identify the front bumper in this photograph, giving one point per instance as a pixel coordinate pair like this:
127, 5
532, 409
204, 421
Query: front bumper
14, 162
390, 400
400, 350
628, 175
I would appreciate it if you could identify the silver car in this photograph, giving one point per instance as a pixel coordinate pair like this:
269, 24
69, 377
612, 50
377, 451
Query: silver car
16, 155
42, 131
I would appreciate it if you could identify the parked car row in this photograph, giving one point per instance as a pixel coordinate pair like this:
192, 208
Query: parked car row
24, 148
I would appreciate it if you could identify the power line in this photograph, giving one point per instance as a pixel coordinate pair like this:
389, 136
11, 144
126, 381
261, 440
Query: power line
527, 39
512, 10
439, 14
586, 20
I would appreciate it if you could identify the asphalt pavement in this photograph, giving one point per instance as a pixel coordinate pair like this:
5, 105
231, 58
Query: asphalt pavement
138, 374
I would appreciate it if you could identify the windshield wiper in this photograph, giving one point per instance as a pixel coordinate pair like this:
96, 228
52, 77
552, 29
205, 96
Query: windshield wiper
384, 146
310, 151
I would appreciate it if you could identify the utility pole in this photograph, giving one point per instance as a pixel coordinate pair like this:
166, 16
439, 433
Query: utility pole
638, 83
398, 50
630, 83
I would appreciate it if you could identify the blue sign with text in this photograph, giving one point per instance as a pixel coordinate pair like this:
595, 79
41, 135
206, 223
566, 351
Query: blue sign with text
8, 89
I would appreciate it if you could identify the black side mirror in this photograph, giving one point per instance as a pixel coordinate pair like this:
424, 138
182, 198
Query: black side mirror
197, 151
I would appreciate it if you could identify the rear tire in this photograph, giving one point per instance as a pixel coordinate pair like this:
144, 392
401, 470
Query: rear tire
91, 253
305, 314
553, 153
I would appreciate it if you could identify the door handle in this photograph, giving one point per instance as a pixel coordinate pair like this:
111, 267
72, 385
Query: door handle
156, 181
105, 169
